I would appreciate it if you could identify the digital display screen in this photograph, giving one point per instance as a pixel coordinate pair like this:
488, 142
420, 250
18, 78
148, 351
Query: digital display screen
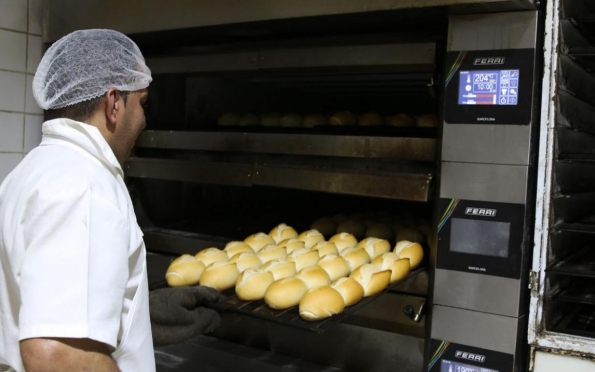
487, 238
448, 366
489, 87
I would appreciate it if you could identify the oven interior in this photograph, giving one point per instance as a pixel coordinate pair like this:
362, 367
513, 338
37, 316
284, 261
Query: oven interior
196, 184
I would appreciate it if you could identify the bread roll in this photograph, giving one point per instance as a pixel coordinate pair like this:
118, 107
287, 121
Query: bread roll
427, 121
272, 252
249, 120
311, 237
325, 226
380, 231
210, 255
282, 232
228, 119
315, 120
270, 120
280, 269
410, 234
233, 248
259, 241
372, 278
355, 257
343, 118
220, 275
343, 241
304, 258
413, 251
320, 303
314, 276
252, 284
371, 119
352, 227
292, 244
184, 270
399, 267
285, 293
350, 289
292, 120
402, 120
336, 266
325, 248
246, 260
375, 247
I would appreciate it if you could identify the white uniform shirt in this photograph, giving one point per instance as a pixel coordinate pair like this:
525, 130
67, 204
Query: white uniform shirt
72, 258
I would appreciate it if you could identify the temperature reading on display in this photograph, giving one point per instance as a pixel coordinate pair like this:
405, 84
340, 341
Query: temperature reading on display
448, 366
494, 87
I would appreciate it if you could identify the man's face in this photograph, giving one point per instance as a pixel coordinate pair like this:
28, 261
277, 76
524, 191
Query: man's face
131, 122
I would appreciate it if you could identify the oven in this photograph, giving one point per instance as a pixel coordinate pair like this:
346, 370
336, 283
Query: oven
466, 186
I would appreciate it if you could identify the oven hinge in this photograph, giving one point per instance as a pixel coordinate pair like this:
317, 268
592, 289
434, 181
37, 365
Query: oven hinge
533, 281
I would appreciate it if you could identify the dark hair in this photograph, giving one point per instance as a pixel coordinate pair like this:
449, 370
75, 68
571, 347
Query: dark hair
80, 111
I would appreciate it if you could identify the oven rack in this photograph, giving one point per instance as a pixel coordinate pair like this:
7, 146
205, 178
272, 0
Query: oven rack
575, 113
578, 227
579, 291
579, 264
579, 321
412, 144
290, 317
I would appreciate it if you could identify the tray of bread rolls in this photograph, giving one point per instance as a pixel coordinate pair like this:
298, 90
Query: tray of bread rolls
299, 280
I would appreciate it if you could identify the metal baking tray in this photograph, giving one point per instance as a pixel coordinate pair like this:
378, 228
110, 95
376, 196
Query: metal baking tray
580, 291
290, 317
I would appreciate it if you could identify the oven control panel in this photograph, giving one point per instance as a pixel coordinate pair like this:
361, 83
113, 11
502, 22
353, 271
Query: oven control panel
490, 87
452, 357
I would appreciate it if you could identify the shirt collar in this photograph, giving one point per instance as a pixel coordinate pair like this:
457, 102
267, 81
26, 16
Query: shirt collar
84, 136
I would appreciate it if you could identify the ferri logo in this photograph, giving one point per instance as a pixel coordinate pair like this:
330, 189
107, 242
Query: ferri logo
470, 356
480, 212
484, 61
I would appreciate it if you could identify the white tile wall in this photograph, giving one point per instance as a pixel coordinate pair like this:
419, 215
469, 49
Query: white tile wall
11, 139
13, 15
13, 47
33, 53
20, 53
12, 91
8, 162
35, 17
32, 132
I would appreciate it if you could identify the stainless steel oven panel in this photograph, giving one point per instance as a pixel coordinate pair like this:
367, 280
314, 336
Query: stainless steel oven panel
514, 30
492, 144
484, 182
490, 294
481, 330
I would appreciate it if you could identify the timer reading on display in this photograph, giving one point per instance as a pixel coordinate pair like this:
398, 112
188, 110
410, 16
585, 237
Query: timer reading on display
448, 366
489, 87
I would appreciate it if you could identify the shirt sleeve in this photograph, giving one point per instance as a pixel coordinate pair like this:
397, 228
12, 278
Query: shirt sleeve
75, 268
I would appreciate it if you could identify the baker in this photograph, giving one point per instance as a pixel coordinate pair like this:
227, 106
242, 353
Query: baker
73, 275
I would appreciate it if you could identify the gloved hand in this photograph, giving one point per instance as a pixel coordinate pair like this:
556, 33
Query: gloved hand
177, 313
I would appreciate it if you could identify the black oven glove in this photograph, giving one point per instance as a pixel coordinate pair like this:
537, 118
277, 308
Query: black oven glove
178, 314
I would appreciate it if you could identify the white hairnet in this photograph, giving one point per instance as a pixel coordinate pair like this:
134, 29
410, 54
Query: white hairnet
84, 64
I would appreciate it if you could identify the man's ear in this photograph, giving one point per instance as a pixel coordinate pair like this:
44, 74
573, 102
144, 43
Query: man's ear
112, 104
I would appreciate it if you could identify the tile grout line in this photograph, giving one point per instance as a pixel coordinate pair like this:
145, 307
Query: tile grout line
20, 32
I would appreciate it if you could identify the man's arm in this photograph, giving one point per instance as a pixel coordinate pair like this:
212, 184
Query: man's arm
66, 354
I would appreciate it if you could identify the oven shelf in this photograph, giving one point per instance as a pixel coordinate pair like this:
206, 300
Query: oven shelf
580, 264
585, 228
580, 291
290, 317
410, 182
580, 321
415, 144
